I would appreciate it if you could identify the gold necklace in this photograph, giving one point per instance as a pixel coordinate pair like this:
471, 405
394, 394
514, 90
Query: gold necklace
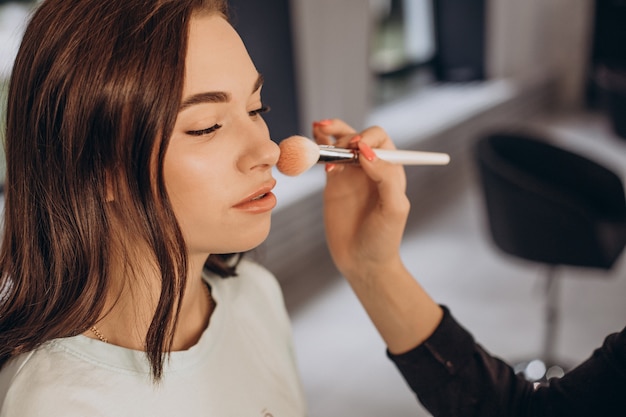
98, 334
101, 337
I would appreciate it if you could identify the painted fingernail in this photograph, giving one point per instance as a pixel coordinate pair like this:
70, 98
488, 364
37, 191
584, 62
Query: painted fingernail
367, 152
355, 139
324, 122
329, 167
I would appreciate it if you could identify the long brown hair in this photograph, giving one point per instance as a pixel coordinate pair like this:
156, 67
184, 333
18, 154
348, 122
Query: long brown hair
93, 97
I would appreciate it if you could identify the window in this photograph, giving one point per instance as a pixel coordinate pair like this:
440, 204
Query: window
402, 47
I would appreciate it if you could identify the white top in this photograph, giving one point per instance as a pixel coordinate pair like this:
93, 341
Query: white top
242, 366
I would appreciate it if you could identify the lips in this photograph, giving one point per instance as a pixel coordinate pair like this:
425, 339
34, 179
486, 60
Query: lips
259, 197
261, 200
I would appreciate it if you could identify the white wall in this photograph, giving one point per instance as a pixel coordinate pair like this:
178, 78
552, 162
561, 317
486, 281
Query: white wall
331, 42
539, 38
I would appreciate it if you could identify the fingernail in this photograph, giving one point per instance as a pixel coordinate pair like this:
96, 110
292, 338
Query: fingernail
324, 122
355, 139
330, 167
367, 152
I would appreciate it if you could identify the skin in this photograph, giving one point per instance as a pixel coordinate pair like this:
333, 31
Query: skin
218, 174
365, 213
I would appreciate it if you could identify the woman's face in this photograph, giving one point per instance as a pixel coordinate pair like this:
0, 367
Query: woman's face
218, 166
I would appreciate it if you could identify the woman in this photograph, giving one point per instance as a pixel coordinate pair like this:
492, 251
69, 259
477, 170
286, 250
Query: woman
138, 160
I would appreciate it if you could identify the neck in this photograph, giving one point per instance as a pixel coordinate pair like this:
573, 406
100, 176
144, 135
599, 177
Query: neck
129, 311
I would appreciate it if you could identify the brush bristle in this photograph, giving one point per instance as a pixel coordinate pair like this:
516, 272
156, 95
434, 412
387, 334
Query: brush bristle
297, 154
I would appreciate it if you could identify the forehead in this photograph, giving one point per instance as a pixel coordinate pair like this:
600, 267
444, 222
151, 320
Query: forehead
217, 59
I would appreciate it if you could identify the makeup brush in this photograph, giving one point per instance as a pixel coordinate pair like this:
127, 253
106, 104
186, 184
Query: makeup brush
298, 154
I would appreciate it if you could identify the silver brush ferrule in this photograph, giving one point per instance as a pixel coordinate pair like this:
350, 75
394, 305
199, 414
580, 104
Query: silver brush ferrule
338, 155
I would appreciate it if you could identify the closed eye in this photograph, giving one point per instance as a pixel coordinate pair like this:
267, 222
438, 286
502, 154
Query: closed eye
203, 132
208, 130
260, 110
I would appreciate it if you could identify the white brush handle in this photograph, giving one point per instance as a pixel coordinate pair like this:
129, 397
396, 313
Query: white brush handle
330, 154
412, 157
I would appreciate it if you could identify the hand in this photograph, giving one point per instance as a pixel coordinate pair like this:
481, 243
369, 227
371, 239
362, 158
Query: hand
365, 213
365, 206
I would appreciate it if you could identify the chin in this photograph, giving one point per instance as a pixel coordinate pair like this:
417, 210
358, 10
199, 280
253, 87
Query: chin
255, 243
251, 241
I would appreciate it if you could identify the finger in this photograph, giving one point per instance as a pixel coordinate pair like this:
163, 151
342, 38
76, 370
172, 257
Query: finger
377, 138
334, 168
332, 131
319, 136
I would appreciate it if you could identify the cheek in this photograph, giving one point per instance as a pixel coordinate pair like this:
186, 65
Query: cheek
198, 199
194, 180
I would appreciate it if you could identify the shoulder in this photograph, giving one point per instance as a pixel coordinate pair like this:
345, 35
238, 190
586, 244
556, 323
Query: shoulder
9, 376
254, 293
33, 384
257, 275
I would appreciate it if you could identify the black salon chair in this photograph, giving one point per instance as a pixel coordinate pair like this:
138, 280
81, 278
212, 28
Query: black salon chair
551, 206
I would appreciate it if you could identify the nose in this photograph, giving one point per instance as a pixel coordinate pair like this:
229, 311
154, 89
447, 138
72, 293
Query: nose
261, 152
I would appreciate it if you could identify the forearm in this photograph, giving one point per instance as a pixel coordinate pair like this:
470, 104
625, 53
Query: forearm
454, 377
402, 312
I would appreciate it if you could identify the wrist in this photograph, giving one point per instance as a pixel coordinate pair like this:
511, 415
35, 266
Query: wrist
373, 270
404, 314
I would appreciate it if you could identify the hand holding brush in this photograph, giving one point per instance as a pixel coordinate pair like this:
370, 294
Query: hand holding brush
365, 214
298, 154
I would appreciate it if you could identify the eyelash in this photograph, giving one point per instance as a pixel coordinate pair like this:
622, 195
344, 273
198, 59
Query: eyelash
260, 110
202, 132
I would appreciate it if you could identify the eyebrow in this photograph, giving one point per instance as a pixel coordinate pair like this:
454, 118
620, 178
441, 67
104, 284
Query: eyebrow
215, 96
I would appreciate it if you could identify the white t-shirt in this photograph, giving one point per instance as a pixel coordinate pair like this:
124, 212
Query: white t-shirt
242, 366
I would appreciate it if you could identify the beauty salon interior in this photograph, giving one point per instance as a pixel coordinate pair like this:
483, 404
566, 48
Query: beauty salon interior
446, 76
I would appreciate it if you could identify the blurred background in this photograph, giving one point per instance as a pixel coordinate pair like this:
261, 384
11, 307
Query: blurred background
437, 75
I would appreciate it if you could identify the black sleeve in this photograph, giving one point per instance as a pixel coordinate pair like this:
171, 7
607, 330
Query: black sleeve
453, 376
